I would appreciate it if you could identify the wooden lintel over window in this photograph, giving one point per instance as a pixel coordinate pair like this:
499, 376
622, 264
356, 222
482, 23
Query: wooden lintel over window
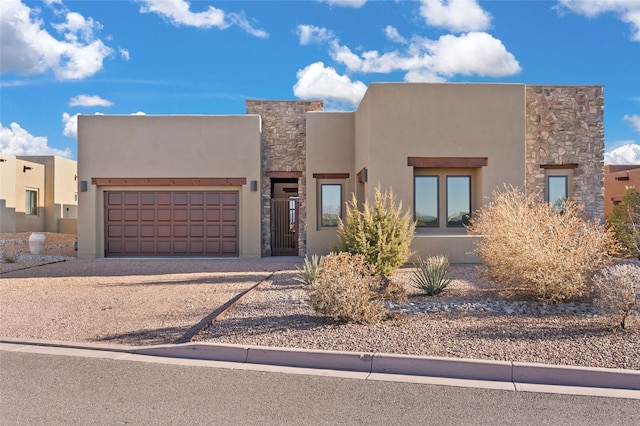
452, 162
559, 166
228, 181
331, 175
283, 175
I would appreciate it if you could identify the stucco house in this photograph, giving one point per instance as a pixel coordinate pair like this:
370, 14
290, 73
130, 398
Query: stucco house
38, 194
617, 179
274, 181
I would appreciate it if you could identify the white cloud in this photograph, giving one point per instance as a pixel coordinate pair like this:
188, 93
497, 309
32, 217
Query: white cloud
392, 34
455, 15
124, 54
70, 125
89, 101
27, 48
626, 154
15, 140
178, 12
472, 53
634, 120
627, 11
345, 3
428, 60
319, 82
308, 34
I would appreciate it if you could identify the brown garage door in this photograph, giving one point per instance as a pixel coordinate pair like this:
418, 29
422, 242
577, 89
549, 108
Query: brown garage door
171, 223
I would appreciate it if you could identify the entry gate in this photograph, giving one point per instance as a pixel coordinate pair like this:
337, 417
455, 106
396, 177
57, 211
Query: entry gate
284, 227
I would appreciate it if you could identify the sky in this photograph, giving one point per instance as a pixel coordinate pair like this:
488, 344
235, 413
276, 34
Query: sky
61, 58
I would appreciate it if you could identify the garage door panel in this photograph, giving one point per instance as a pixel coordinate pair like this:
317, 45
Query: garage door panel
171, 223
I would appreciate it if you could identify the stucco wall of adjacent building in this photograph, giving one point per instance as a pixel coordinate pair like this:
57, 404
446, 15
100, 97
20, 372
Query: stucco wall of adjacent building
161, 147
330, 150
60, 191
565, 126
7, 193
617, 179
283, 149
30, 176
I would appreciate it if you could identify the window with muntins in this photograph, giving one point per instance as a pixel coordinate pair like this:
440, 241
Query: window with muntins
31, 202
439, 196
331, 204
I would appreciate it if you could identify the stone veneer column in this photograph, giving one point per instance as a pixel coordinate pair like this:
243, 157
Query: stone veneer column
564, 125
283, 149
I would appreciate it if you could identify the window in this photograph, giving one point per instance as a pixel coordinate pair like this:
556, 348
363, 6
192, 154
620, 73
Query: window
442, 195
426, 200
557, 189
458, 200
331, 204
31, 202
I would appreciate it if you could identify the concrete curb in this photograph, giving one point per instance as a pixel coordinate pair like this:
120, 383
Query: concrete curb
520, 376
454, 368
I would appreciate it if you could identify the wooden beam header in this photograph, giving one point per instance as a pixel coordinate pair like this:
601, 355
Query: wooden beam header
558, 166
453, 162
331, 175
228, 181
283, 175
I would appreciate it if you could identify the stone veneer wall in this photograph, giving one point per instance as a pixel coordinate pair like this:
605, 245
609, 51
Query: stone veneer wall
283, 149
564, 125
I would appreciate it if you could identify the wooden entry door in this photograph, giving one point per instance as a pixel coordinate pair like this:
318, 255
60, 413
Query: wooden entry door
284, 227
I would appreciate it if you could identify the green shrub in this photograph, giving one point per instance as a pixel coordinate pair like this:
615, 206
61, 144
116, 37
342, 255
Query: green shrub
618, 291
309, 272
625, 223
528, 246
381, 232
347, 289
431, 276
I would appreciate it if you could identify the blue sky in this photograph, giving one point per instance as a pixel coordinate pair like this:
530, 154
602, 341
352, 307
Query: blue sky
60, 58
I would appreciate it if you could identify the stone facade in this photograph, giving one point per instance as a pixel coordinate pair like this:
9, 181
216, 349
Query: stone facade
283, 149
564, 127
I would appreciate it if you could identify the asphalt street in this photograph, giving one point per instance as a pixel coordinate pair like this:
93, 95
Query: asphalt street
39, 389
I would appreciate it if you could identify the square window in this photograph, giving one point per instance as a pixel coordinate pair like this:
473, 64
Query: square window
331, 204
426, 201
31, 202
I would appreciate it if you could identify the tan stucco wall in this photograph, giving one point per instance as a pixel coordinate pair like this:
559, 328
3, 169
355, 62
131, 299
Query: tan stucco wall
399, 120
7, 193
167, 146
60, 189
330, 149
29, 179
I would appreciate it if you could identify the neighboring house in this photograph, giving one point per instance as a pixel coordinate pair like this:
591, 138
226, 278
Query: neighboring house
617, 179
38, 194
274, 181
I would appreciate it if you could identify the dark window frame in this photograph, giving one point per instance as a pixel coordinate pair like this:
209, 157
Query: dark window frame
31, 208
415, 216
470, 189
321, 220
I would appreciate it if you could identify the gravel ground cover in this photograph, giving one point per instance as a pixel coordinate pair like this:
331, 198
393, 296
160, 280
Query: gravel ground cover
167, 301
277, 314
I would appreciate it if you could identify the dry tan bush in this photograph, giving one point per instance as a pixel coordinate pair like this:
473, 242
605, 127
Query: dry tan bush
10, 256
347, 289
617, 291
527, 244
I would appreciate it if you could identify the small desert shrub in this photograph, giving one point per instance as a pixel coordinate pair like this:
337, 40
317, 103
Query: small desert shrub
309, 272
10, 256
625, 223
431, 276
617, 291
381, 232
347, 289
527, 245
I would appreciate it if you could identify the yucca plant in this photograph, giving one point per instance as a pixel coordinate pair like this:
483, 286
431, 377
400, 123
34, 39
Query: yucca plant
430, 276
309, 273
